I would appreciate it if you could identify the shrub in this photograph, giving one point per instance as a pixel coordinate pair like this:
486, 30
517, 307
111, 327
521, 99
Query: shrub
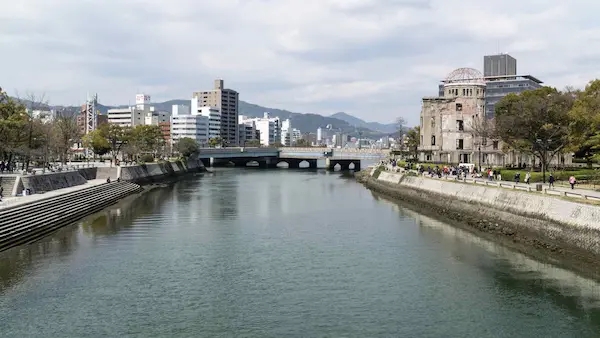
147, 158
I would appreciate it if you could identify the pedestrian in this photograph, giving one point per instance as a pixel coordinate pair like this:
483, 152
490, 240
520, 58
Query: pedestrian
527, 177
517, 177
551, 181
572, 181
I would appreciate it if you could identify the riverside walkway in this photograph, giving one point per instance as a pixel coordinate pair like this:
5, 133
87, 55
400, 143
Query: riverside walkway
9, 202
559, 191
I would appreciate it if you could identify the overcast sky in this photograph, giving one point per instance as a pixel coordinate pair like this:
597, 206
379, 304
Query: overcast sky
369, 58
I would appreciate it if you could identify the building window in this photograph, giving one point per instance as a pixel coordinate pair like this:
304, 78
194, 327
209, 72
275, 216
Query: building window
464, 90
433, 123
459, 144
459, 107
433, 140
495, 145
422, 139
428, 158
484, 142
460, 125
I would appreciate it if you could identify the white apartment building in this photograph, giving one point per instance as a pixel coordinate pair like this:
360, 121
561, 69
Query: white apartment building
132, 116
192, 126
289, 135
45, 116
213, 114
126, 117
186, 124
268, 127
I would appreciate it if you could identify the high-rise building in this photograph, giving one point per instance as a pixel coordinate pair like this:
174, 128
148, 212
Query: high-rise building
500, 75
498, 87
289, 135
193, 124
214, 115
227, 102
247, 131
499, 65
268, 127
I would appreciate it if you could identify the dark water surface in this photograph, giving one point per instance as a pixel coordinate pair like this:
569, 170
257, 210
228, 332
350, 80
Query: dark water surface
252, 253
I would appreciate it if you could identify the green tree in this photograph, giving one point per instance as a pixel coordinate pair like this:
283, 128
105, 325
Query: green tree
146, 139
585, 114
65, 133
187, 146
13, 122
214, 142
410, 148
302, 143
535, 122
118, 137
252, 143
97, 141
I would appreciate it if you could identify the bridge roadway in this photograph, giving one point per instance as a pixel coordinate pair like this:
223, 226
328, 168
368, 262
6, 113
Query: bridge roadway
270, 157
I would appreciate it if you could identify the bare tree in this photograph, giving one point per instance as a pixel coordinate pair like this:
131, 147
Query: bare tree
483, 132
66, 132
33, 102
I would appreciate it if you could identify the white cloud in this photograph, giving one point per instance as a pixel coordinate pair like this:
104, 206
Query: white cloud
371, 58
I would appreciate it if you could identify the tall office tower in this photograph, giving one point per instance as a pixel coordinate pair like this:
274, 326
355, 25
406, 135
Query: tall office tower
227, 102
499, 65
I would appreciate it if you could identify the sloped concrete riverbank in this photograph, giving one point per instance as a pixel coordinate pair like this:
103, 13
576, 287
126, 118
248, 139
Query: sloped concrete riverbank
29, 218
555, 230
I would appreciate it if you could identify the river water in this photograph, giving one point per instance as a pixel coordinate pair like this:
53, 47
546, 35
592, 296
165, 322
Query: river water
282, 253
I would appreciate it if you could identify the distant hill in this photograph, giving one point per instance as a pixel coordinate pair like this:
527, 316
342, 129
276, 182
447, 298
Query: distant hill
305, 122
376, 126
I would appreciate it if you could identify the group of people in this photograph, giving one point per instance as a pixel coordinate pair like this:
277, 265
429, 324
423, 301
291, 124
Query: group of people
4, 166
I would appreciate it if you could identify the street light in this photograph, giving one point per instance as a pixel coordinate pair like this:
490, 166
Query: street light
479, 149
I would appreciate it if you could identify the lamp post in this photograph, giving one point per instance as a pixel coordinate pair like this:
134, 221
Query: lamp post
479, 149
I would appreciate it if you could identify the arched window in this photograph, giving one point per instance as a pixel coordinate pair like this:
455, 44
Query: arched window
433, 140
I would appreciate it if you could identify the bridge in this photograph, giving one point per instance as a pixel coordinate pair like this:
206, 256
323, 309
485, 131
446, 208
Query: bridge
269, 157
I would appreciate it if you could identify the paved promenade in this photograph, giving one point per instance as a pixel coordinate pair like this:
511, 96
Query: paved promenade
556, 191
8, 202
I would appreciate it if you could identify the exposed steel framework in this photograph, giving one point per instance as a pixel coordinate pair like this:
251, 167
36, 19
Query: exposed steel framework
463, 76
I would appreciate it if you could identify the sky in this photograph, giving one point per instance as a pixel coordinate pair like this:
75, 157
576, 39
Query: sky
374, 59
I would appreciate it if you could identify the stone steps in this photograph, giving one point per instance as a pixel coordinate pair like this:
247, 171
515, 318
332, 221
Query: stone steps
27, 223
8, 183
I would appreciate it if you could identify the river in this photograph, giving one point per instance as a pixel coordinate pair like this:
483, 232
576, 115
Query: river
282, 253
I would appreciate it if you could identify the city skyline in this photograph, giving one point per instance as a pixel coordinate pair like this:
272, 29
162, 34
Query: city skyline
371, 59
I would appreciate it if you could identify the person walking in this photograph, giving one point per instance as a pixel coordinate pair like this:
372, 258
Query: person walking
551, 181
527, 177
572, 181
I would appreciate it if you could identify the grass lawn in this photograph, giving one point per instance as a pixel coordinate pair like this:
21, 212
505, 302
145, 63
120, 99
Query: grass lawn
582, 175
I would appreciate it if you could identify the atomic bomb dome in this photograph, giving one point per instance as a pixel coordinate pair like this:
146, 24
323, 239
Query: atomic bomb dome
464, 76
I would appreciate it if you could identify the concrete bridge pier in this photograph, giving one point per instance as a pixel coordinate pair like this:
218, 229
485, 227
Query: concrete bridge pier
344, 164
206, 161
267, 163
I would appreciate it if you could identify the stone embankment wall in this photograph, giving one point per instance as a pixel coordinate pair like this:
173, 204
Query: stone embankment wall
158, 171
52, 181
532, 223
29, 222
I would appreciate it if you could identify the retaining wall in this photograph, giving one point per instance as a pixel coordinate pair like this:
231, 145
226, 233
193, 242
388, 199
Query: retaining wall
52, 181
533, 223
158, 171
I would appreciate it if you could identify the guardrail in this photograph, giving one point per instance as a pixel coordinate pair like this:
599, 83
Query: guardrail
506, 185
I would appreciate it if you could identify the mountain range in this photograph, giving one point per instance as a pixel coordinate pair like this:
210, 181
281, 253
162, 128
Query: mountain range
305, 122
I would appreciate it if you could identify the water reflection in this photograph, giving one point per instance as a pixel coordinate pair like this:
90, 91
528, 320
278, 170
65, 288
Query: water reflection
17, 263
511, 271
